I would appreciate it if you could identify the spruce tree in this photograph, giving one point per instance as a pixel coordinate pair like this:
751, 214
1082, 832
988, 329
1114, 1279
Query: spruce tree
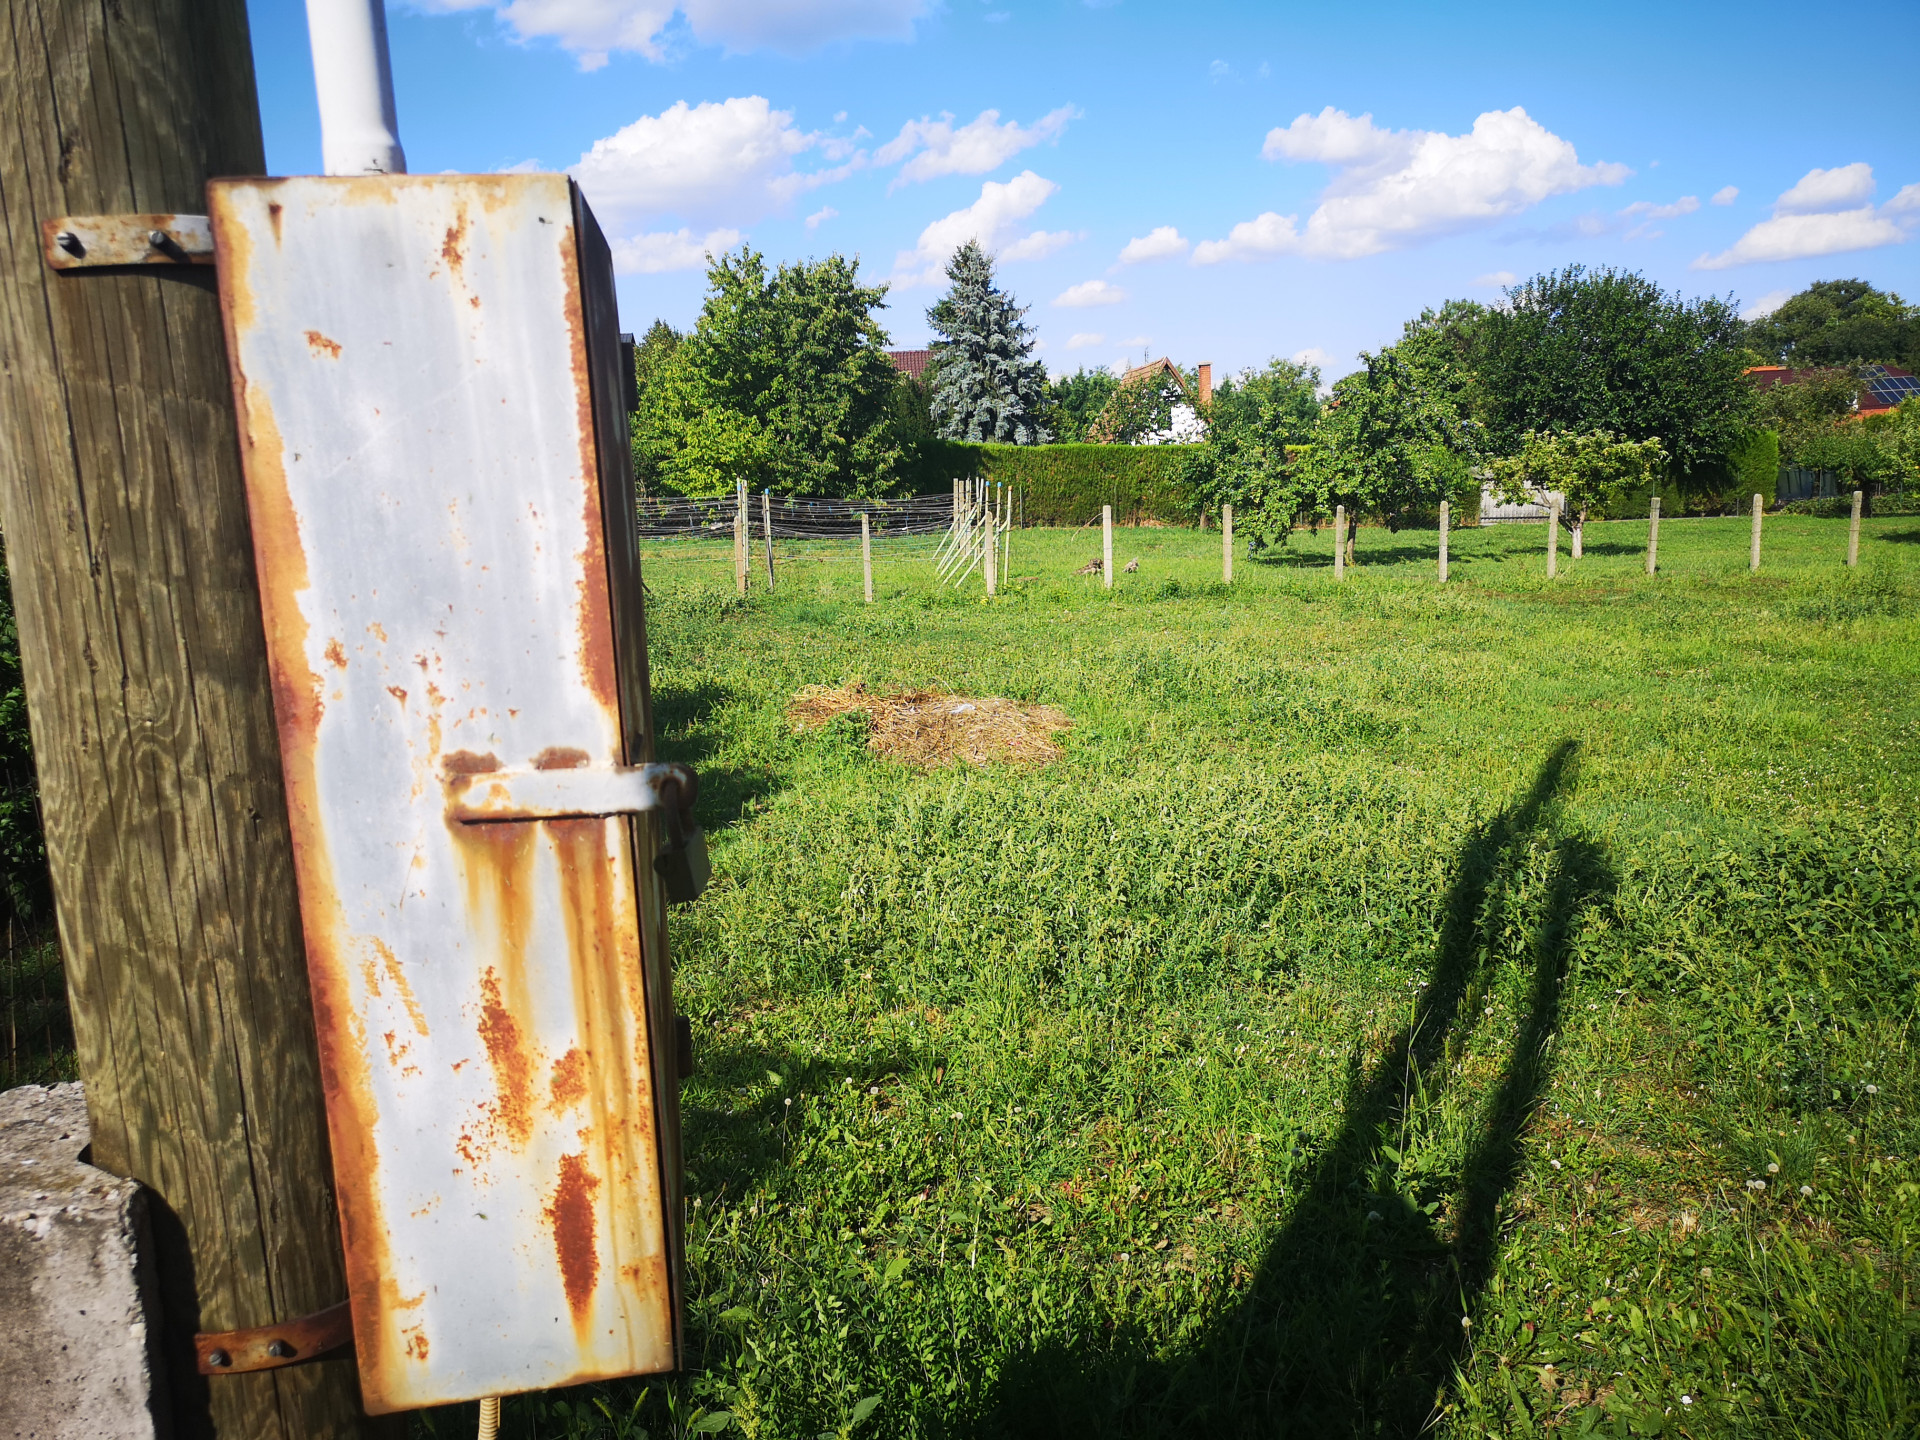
986, 385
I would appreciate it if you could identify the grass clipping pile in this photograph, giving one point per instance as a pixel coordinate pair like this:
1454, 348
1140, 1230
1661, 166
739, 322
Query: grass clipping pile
927, 728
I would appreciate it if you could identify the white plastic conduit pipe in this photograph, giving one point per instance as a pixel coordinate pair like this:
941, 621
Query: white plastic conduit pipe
359, 134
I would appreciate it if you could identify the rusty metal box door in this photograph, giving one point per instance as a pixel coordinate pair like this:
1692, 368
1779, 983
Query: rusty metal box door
427, 377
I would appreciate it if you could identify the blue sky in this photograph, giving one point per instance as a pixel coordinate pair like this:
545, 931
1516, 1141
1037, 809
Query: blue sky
1217, 183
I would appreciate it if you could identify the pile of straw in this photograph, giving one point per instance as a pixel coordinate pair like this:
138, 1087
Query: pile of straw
927, 728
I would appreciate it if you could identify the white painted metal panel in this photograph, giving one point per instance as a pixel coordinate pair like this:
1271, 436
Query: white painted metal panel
411, 366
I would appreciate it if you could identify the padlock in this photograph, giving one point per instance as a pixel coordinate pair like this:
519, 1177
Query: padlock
682, 863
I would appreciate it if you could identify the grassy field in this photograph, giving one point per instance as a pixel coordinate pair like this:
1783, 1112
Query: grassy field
1486, 1009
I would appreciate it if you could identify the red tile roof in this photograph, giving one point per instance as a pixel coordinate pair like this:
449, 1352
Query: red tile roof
910, 362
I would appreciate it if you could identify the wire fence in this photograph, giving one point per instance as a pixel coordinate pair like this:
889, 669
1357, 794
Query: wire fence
803, 518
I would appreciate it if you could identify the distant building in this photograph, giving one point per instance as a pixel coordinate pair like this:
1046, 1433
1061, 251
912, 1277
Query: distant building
911, 363
1186, 426
1882, 387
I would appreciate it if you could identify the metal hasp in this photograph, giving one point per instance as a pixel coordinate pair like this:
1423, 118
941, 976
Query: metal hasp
429, 398
85, 242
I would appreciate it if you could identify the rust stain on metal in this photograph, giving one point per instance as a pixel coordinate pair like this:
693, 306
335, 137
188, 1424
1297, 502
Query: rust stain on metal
321, 345
397, 693
335, 655
594, 610
465, 762
575, 1242
562, 757
453, 248
512, 1065
391, 963
417, 1347
569, 1083
274, 211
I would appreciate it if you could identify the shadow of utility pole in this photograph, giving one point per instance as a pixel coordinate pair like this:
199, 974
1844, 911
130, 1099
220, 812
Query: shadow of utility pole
1351, 1325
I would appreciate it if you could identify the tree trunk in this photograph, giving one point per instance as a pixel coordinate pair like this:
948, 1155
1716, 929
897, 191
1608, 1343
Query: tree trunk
1579, 529
146, 676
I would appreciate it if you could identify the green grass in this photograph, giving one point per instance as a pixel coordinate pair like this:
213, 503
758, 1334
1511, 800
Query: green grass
1389, 1014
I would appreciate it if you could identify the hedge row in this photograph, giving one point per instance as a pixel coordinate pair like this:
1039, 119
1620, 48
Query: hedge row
1067, 484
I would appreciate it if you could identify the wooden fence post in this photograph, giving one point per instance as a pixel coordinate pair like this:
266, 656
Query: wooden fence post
141, 641
989, 562
741, 552
1444, 525
1853, 534
1106, 545
1653, 536
1226, 544
1339, 542
1553, 537
766, 528
866, 554
1753, 558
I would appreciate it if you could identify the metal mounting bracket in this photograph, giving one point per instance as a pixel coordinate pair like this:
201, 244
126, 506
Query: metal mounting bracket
583, 792
83, 242
269, 1347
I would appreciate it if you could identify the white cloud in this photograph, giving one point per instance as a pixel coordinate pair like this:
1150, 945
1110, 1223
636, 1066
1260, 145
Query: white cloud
1766, 304
1799, 237
993, 220
982, 144
1842, 188
729, 162
1726, 195
670, 250
1394, 188
594, 29
1163, 242
1826, 212
821, 216
1087, 293
521, 167
1083, 340
1646, 212
1495, 279
1312, 355
1646, 209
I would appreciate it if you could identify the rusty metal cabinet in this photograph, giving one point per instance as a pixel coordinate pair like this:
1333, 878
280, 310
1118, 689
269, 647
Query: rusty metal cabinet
427, 371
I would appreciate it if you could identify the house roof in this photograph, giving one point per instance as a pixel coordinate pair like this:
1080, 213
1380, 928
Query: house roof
910, 362
1153, 368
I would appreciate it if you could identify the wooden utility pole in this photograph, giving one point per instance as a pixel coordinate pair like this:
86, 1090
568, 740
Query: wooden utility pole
140, 638
1444, 526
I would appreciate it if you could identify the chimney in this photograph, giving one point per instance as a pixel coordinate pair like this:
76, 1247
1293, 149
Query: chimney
1206, 385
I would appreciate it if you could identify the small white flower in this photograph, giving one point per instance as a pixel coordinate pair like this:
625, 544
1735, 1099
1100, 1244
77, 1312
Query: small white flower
1706, 1272
1756, 1184
1686, 1399
1773, 1167
1806, 1189
1873, 1089
1466, 1323
873, 1090
1373, 1215
1554, 1163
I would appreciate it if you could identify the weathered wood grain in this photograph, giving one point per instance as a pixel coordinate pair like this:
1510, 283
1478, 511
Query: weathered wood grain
140, 636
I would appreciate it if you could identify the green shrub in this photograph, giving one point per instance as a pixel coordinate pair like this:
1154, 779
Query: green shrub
1067, 484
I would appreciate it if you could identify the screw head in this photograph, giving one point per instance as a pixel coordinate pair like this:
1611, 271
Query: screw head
280, 1350
157, 239
219, 1359
69, 242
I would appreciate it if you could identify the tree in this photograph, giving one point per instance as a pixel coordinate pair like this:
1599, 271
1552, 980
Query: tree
784, 381
1404, 432
986, 384
651, 359
1256, 424
1075, 402
1587, 470
1577, 351
1805, 411
1840, 322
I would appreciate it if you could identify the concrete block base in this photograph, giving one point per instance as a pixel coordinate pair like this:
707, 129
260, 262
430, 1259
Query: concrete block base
77, 1318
